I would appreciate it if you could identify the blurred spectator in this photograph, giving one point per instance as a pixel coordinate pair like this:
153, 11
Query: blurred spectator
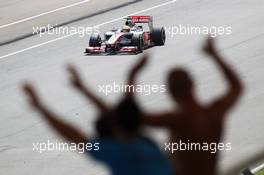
122, 146
194, 122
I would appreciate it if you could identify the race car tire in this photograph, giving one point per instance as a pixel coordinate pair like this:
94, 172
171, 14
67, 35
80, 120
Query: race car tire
95, 40
159, 36
137, 40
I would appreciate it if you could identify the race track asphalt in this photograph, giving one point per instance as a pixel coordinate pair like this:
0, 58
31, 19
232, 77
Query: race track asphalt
45, 67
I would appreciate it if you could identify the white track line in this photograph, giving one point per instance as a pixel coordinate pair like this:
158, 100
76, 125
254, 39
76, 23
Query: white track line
99, 25
42, 14
255, 170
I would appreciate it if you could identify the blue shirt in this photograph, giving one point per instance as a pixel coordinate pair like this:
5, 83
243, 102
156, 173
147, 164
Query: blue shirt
140, 157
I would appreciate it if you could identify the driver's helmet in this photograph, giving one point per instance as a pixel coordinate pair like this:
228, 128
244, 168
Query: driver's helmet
130, 23
126, 29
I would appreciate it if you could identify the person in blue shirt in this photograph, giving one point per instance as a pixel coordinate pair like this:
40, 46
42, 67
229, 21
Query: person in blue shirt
122, 146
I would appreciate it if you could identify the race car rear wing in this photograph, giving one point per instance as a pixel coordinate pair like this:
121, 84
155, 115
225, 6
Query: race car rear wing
141, 19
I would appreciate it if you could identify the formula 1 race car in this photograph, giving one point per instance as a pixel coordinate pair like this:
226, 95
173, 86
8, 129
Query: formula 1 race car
132, 38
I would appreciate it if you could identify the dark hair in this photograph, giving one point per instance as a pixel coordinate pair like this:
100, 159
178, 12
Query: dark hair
128, 116
104, 125
180, 83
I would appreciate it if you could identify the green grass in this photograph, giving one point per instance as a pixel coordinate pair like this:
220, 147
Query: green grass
261, 172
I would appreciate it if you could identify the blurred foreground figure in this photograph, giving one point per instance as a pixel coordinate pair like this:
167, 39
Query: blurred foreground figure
196, 123
122, 146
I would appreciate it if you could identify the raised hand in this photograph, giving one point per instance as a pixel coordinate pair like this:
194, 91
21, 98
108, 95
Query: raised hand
68, 131
75, 77
209, 46
78, 83
135, 69
32, 95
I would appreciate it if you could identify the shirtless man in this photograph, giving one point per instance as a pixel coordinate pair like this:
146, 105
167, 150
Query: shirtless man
193, 122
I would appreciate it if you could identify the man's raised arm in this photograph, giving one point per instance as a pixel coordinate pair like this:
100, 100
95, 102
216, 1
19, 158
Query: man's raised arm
235, 86
66, 130
78, 84
134, 72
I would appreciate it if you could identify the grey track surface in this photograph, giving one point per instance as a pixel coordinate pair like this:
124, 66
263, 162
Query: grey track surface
63, 12
45, 66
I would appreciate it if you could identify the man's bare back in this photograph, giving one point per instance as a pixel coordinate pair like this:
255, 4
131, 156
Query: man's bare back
194, 123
